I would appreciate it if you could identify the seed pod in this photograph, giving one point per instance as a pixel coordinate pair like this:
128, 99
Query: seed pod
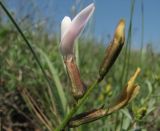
113, 50
78, 88
87, 117
123, 100
129, 92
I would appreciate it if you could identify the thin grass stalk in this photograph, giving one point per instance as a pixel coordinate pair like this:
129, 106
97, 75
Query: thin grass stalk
1, 124
30, 48
39, 111
142, 30
36, 110
125, 68
128, 42
121, 123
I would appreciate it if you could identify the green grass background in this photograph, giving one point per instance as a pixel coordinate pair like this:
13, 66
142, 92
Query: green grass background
20, 70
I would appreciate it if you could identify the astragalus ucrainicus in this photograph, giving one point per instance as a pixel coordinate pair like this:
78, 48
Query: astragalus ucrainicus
70, 30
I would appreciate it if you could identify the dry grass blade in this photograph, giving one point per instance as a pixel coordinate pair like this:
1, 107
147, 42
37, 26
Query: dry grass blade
33, 105
0, 119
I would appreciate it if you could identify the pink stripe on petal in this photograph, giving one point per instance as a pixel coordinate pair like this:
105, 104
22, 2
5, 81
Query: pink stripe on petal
81, 19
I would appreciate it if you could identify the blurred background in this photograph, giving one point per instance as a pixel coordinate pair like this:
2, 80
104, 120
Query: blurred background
50, 13
40, 22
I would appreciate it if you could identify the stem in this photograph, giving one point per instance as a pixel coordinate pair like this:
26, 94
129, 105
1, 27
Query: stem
1, 122
142, 30
121, 123
74, 109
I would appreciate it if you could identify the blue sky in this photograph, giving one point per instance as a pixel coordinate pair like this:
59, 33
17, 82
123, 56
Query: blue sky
106, 16
108, 13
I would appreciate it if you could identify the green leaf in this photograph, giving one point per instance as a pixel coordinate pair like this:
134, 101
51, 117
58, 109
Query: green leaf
56, 79
126, 113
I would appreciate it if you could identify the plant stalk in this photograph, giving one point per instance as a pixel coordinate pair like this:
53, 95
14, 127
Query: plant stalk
74, 109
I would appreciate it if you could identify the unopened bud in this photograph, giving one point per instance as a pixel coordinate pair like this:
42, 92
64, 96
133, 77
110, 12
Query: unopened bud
113, 50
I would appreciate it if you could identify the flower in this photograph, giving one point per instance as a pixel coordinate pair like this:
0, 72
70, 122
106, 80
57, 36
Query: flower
70, 29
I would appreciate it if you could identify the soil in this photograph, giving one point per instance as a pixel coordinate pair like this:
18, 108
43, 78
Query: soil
14, 114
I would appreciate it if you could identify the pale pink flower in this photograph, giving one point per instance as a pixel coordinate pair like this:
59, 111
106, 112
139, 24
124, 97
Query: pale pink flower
70, 29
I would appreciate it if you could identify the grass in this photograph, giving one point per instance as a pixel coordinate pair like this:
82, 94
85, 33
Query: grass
19, 69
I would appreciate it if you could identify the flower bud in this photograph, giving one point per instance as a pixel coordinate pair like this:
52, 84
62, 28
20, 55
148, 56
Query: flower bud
113, 50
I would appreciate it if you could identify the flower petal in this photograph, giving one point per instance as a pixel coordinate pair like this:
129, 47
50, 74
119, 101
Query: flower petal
66, 22
82, 18
74, 29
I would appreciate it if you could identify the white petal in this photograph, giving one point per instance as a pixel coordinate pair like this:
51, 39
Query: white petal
65, 25
82, 18
67, 43
74, 29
